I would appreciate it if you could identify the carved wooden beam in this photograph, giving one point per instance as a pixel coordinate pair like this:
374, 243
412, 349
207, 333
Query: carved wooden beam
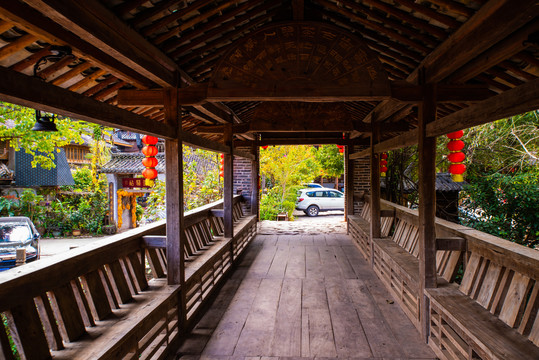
399, 91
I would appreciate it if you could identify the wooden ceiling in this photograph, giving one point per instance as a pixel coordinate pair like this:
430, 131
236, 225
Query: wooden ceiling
149, 44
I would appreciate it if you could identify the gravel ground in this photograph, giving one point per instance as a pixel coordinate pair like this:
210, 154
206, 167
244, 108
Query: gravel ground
330, 222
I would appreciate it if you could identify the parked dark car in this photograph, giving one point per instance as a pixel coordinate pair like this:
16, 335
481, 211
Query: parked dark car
17, 233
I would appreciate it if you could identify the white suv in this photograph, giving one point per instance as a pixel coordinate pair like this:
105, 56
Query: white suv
312, 201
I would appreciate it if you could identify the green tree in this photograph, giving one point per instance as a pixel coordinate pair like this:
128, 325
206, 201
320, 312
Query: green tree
41, 145
331, 162
286, 166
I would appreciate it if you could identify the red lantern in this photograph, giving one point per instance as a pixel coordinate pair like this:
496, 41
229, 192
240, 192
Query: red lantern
383, 169
457, 169
222, 156
455, 145
455, 135
456, 157
149, 162
222, 174
149, 150
341, 150
265, 147
383, 162
222, 161
383, 156
149, 140
149, 173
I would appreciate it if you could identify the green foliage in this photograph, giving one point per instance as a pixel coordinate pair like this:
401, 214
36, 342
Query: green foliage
41, 145
331, 160
271, 205
504, 205
200, 188
506, 146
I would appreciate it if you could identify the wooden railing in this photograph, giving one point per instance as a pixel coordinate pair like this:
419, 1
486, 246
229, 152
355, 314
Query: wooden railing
110, 300
486, 303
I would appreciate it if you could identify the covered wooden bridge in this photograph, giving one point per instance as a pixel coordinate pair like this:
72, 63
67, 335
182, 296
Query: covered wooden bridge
230, 76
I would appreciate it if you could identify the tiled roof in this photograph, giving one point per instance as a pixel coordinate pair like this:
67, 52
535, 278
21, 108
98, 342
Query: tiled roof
130, 163
444, 183
26, 175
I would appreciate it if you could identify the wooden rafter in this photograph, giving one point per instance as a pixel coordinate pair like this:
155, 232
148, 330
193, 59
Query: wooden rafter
91, 21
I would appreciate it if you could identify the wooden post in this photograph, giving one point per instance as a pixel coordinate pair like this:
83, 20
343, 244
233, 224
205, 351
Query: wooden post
348, 181
20, 257
255, 168
375, 188
174, 197
427, 204
228, 192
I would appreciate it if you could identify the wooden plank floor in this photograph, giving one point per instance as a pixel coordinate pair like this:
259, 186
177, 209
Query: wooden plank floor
303, 296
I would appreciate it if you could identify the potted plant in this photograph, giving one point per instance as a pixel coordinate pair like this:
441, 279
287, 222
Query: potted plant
76, 220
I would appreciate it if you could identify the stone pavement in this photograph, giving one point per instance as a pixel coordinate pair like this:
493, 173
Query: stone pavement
331, 222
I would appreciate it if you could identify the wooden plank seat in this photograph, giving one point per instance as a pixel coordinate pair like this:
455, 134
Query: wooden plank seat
461, 329
493, 313
359, 227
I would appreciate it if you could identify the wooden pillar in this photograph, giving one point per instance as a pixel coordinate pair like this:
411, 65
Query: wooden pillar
375, 188
174, 206
427, 203
174, 184
255, 169
348, 181
228, 192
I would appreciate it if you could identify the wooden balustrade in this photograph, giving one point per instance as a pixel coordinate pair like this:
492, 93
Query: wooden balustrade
110, 300
491, 314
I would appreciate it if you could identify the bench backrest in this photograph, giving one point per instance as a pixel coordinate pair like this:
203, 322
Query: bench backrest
503, 277
406, 235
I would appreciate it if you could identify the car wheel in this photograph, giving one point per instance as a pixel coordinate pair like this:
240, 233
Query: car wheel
313, 210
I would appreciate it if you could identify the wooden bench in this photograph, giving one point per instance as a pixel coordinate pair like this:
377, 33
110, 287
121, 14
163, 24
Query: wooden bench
493, 313
208, 254
359, 226
396, 259
98, 301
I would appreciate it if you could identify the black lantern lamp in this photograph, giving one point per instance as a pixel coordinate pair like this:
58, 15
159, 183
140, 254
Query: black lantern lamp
45, 122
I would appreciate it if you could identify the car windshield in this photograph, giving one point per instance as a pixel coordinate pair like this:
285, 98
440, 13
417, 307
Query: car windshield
14, 232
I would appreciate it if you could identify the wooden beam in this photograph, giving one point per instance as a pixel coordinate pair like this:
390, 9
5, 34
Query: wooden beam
410, 93
303, 141
202, 143
26, 18
92, 21
427, 207
243, 154
478, 34
451, 244
28, 91
228, 191
255, 173
349, 181
375, 221
201, 93
513, 102
298, 10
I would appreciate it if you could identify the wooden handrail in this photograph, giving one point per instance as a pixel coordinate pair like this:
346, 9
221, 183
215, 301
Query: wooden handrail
504, 252
35, 278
